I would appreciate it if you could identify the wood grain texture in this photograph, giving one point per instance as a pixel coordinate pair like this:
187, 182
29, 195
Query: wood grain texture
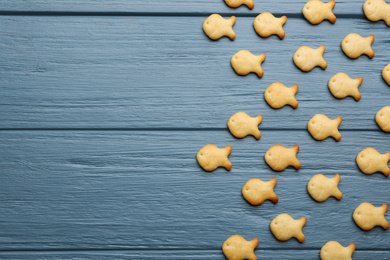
172, 6
144, 190
181, 254
163, 72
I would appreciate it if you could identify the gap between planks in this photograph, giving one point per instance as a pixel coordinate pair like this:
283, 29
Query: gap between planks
156, 14
166, 129
170, 249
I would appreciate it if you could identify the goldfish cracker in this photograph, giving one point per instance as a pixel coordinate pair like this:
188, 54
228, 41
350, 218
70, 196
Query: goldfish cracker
307, 58
354, 45
215, 27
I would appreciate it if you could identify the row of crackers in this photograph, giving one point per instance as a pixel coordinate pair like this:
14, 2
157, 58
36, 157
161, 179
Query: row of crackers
255, 191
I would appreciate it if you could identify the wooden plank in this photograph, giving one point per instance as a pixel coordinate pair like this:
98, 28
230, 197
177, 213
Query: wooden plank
67, 190
163, 72
182, 254
172, 6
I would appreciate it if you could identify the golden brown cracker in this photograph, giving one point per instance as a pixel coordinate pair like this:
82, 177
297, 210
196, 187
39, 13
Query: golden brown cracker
306, 58
341, 86
285, 227
354, 45
266, 25
371, 161
237, 3
241, 124
321, 127
215, 27
376, 10
256, 191
211, 157
244, 62
278, 95
382, 118
386, 74
321, 188
366, 216
279, 157
237, 248
334, 251
316, 11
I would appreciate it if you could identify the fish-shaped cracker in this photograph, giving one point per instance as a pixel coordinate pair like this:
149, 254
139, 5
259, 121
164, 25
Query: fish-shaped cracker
334, 251
371, 161
241, 124
244, 62
382, 118
376, 10
341, 86
279, 157
266, 24
285, 227
256, 191
211, 157
367, 216
278, 95
307, 58
316, 11
321, 127
354, 45
237, 3
321, 188
215, 27
236, 247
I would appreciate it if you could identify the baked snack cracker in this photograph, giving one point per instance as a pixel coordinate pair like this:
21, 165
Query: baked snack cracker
371, 161
237, 3
278, 95
241, 124
285, 227
321, 127
256, 191
341, 86
215, 27
211, 157
386, 74
321, 188
334, 251
354, 45
244, 62
266, 24
367, 216
382, 118
237, 248
316, 11
279, 157
376, 10
307, 58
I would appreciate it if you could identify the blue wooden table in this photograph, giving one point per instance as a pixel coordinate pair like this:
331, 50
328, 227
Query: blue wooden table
104, 105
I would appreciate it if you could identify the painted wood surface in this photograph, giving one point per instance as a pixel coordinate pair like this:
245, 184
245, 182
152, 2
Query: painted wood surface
104, 105
144, 190
182, 254
173, 6
163, 72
